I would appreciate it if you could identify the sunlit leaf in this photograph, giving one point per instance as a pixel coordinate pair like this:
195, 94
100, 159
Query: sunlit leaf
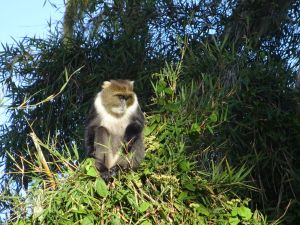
146, 223
101, 188
244, 212
88, 220
234, 220
92, 171
144, 206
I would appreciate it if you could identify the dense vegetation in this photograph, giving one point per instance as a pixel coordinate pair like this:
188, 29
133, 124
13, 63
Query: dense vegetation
217, 80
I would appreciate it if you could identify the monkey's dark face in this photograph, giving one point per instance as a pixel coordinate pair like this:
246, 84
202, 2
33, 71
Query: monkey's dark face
117, 96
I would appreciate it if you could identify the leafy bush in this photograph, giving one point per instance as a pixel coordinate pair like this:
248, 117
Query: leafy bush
170, 187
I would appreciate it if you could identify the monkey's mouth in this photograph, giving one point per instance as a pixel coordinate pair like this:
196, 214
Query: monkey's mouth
118, 110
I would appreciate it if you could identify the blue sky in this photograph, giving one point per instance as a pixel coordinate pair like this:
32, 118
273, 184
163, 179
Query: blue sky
21, 18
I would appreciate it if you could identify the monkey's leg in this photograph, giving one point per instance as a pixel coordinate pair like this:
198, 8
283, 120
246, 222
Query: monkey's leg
113, 154
104, 156
101, 144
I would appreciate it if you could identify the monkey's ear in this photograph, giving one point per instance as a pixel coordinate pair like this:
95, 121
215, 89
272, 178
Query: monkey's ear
106, 84
131, 83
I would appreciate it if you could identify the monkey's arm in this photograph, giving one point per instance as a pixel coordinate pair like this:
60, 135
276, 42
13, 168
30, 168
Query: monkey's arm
134, 142
137, 153
89, 134
135, 128
89, 141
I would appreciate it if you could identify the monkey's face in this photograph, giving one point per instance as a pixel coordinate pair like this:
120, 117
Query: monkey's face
120, 102
117, 98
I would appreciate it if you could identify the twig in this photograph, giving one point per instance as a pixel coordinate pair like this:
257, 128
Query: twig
43, 160
285, 211
144, 193
25, 104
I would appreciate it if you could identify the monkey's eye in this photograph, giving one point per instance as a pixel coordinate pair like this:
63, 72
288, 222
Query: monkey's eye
122, 97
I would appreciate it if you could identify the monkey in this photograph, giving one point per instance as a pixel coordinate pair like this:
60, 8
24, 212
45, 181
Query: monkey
114, 129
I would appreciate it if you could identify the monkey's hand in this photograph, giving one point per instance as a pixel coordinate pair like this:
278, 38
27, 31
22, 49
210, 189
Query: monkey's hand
90, 151
104, 172
132, 132
107, 175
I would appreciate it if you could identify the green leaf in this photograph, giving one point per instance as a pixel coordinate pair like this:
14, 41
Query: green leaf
121, 194
161, 86
116, 221
131, 200
234, 211
182, 196
156, 117
201, 209
22, 223
195, 128
210, 129
184, 166
189, 186
78, 209
172, 107
213, 117
101, 188
168, 91
148, 130
234, 220
201, 220
92, 171
88, 220
144, 206
162, 83
161, 101
244, 212
146, 223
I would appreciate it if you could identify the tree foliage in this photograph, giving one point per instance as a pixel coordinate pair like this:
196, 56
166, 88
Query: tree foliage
241, 57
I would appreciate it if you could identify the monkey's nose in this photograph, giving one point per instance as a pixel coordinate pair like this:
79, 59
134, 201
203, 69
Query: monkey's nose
123, 101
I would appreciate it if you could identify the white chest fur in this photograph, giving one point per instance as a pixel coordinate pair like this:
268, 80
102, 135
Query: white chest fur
115, 125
